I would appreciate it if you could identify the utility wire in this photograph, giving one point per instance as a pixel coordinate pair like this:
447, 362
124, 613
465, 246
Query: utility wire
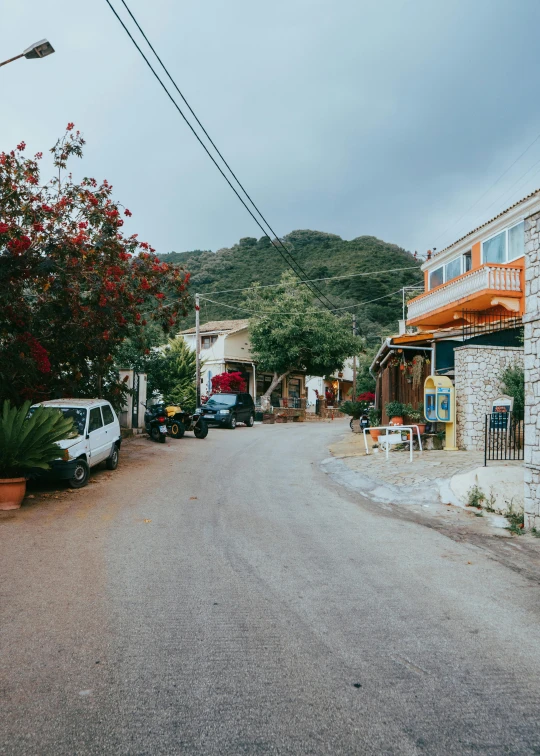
287, 256
311, 280
272, 312
503, 174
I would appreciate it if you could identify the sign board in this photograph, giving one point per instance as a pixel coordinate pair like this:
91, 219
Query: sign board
501, 407
503, 403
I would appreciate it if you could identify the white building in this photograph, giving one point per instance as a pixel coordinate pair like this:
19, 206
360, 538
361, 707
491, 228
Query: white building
225, 347
340, 384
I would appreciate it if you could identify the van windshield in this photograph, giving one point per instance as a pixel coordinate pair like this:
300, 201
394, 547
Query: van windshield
77, 414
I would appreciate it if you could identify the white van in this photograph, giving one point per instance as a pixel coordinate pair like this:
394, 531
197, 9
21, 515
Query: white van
98, 439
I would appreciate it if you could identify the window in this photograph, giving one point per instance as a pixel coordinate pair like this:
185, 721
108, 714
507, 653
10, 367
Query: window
294, 387
494, 249
108, 416
436, 277
516, 241
452, 269
95, 419
208, 341
506, 246
467, 262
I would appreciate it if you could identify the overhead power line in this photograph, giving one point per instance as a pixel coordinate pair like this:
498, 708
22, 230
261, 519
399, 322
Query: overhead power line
311, 280
272, 312
284, 252
503, 174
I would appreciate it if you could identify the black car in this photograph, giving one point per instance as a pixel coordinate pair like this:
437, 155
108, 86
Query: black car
229, 409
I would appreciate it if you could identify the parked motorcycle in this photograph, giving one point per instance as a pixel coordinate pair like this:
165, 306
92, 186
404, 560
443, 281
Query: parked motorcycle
155, 423
178, 422
364, 422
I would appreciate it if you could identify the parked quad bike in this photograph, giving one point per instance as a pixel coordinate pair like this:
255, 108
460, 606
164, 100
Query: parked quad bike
180, 422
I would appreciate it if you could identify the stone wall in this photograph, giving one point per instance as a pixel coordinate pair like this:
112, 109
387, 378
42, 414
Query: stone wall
531, 320
477, 385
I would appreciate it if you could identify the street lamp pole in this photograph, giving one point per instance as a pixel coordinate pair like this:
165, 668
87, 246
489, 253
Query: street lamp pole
198, 350
38, 50
12, 59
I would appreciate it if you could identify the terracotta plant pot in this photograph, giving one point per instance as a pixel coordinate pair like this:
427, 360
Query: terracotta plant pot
396, 420
12, 491
421, 427
374, 434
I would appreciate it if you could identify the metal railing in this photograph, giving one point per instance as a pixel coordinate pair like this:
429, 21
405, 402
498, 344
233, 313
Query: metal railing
494, 278
477, 323
503, 437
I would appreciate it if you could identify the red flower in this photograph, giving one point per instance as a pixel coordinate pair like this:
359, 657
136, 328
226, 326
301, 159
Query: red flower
128, 213
18, 246
21, 146
70, 126
4, 228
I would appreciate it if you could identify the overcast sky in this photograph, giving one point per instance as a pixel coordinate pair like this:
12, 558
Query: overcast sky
389, 117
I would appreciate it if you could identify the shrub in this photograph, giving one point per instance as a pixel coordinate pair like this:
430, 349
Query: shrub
30, 441
354, 409
228, 382
394, 409
513, 382
374, 416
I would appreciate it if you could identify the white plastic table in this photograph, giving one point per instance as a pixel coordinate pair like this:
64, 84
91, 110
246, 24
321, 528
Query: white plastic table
394, 437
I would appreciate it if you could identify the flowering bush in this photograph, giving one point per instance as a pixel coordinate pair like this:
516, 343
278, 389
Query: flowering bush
367, 396
73, 286
228, 382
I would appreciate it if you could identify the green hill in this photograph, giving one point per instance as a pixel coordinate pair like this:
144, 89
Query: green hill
321, 255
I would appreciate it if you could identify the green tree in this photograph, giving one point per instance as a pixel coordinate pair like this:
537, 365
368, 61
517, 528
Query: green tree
289, 332
172, 372
513, 381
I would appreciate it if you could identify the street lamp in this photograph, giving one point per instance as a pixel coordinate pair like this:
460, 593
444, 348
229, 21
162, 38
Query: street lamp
39, 50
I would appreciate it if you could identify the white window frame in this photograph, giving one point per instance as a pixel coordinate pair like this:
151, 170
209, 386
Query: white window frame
461, 258
505, 232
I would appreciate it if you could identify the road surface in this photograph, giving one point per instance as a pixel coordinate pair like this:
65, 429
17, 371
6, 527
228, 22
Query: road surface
223, 596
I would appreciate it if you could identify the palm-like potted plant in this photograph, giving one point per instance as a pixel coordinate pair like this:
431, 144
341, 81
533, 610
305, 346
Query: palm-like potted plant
394, 410
27, 442
374, 416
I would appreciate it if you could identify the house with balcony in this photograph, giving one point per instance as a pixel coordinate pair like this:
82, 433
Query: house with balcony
225, 347
467, 323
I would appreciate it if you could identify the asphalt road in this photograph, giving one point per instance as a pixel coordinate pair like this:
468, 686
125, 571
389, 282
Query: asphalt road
224, 596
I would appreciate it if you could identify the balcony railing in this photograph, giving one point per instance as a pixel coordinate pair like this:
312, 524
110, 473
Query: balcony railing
486, 278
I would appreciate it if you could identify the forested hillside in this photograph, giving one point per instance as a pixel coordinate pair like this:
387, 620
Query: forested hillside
320, 255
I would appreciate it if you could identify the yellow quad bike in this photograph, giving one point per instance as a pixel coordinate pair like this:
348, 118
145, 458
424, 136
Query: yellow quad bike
178, 422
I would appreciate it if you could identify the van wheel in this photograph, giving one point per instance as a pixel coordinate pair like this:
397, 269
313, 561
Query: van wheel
250, 421
113, 459
81, 474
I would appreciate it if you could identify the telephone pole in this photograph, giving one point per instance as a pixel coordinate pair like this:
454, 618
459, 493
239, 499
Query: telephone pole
354, 362
198, 350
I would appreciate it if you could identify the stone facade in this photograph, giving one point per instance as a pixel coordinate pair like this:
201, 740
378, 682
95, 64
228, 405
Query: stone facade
477, 384
531, 320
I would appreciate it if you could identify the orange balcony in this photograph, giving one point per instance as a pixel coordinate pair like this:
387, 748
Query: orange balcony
491, 285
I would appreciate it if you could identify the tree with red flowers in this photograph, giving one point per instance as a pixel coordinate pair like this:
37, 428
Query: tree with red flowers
223, 383
73, 286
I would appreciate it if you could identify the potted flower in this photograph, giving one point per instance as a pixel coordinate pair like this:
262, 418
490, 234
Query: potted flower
394, 410
416, 417
27, 442
374, 416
